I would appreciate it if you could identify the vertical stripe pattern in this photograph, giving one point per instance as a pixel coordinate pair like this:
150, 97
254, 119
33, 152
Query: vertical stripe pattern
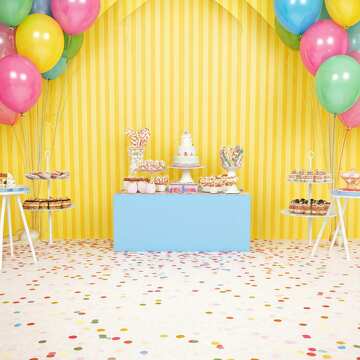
213, 67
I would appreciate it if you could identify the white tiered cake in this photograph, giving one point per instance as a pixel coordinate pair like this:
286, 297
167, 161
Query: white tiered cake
186, 155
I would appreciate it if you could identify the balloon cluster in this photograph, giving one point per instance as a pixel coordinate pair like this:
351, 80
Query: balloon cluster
37, 39
327, 32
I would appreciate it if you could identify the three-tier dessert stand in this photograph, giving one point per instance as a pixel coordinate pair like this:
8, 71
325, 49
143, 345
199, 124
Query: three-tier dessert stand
49, 211
310, 217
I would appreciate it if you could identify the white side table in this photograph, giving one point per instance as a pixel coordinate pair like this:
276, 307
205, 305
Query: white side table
6, 195
340, 208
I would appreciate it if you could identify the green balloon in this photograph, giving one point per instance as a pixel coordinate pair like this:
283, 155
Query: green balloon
338, 83
13, 12
73, 44
324, 13
288, 38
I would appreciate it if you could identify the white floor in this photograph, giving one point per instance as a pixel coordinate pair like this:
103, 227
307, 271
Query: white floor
83, 301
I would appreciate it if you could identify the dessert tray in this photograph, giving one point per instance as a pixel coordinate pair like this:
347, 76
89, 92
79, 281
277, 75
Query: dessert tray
312, 177
47, 204
48, 175
309, 207
352, 179
151, 166
7, 181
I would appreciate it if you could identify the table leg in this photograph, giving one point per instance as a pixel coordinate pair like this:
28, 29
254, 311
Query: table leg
310, 230
343, 229
318, 239
10, 227
2, 218
50, 228
336, 233
23, 217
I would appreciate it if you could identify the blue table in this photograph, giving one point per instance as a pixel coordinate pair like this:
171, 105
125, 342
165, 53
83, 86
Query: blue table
6, 194
181, 222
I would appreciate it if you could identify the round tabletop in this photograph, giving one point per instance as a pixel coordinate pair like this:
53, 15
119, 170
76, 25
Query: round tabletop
16, 190
346, 194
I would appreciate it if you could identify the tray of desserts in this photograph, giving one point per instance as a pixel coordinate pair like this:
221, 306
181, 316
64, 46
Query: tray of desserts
7, 181
51, 204
217, 184
48, 175
317, 176
151, 165
352, 180
308, 207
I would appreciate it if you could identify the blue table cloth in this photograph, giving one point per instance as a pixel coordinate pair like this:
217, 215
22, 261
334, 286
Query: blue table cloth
181, 222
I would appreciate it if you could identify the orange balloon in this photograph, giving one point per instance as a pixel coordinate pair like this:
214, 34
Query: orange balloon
40, 38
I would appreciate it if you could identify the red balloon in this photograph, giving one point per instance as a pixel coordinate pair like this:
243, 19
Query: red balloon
20, 83
7, 41
75, 16
7, 116
351, 118
322, 41
355, 55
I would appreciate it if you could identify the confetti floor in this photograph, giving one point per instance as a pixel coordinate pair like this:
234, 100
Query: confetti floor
84, 302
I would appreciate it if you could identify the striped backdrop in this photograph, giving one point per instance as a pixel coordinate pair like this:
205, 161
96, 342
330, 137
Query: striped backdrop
219, 71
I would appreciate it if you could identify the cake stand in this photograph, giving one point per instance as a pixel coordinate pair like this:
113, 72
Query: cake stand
186, 173
231, 172
49, 211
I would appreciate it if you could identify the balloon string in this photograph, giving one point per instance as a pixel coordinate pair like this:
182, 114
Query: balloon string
329, 131
25, 143
60, 111
333, 153
346, 136
17, 140
42, 125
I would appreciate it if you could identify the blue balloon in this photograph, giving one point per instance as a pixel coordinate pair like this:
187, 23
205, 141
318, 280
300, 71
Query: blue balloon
298, 15
354, 37
41, 7
57, 70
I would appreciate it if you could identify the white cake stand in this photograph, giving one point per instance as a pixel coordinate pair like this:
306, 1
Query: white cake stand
186, 173
231, 172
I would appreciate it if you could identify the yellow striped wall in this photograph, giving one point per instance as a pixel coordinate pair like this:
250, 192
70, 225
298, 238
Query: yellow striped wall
213, 67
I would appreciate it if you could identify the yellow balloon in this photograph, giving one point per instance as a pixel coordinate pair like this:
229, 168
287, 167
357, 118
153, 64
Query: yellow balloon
344, 12
40, 38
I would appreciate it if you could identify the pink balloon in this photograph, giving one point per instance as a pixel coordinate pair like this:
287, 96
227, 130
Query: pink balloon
20, 83
321, 41
7, 116
75, 16
7, 41
351, 118
355, 55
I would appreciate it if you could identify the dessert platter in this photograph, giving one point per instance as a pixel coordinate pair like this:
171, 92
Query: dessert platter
317, 176
309, 207
7, 181
218, 184
47, 175
352, 180
151, 166
47, 204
